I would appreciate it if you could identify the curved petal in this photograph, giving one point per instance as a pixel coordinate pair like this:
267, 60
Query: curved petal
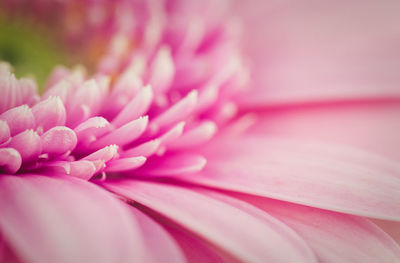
310, 51
312, 173
241, 231
334, 237
66, 220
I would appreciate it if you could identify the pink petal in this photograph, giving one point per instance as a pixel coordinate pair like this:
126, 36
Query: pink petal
83, 169
305, 172
196, 136
20, 142
123, 135
125, 164
258, 243
196, 249
177, 112
28, 91
10, 160
4, 132
124, 90
174, 164
91, 129
85, 103
312, 51
369, 125
172, 134
161, 246
49, 113
64, 220
162, 70
135, 108
145, 149
63, 89
58, 140
19, 119
105, 154
333, 237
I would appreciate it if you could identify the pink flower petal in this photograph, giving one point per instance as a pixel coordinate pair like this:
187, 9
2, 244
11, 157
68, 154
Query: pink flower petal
174, 164
83, 169
125, 164
89, 130
196, 249
85, 103
135, 108
4, 132
19, 119
177, 112
258, 243
333, 237
58, 140
162, 70
161, 246
316, 174
105, 154
28, 90
368, 125
22, 140
124, 90
123, 135
49, 113
308, 51
172, 134
196, 136
145, 149
10, 160
66, 220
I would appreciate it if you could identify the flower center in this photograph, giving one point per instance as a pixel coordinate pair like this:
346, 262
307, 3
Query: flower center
29, 50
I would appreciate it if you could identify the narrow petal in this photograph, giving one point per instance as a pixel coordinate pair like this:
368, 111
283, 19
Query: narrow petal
93, 127
135, 108
333, 237
83, 168
172, 134
10, 160
70, 221
196, 136
85, 103
4, 132
49, 113
125, 164
258, 243
145, 149
105, 154
174, 164
18, 119
58, 140
305, 172
177, 112
123, 135
20, 142
162, 70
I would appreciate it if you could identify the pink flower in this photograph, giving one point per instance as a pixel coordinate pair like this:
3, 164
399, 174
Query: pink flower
165, 154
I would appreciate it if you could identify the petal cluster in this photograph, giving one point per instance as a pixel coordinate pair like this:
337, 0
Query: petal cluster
148, 103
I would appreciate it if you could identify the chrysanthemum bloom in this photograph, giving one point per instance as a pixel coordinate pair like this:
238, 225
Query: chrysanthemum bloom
149, 156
